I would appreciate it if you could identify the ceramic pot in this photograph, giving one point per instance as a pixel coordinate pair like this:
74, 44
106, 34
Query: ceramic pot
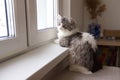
94, 29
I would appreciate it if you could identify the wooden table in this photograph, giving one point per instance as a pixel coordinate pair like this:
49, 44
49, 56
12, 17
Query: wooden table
105, 42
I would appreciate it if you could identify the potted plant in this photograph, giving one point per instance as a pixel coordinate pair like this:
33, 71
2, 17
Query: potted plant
95, 8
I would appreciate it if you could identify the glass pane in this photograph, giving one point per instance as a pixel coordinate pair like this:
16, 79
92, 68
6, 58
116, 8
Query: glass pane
50, 12
3, 21
6, 18
10, 17
45, 14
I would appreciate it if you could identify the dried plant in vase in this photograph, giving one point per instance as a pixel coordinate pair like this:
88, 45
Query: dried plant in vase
95, 9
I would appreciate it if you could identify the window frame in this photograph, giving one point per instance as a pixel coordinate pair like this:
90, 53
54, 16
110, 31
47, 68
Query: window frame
26, 33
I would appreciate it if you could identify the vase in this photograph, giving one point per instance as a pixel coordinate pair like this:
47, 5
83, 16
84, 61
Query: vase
94, 29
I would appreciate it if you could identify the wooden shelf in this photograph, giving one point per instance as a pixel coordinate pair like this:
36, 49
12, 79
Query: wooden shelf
105, 42
116, 43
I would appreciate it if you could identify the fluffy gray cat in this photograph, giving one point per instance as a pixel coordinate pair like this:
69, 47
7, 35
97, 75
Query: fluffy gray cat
82, 47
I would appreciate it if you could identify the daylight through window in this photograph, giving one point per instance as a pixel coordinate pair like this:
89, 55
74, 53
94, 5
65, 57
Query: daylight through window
6, 19
45, 13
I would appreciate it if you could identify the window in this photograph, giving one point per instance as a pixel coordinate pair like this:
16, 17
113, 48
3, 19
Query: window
45, 10
42, 18
26, 23
12, 27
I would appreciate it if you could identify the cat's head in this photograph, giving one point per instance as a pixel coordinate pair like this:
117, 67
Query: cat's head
67, 24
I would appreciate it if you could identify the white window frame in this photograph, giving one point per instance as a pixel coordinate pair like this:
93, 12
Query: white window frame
13, 45
37, 36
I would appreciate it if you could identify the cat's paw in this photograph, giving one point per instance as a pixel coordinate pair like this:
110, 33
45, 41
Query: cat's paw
78, 68
87, 72
56, 41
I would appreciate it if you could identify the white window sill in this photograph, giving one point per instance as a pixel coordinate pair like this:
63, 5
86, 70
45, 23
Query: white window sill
26, 66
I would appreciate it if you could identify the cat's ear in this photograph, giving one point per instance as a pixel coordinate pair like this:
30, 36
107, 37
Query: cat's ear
65, 20
72, 22
59, 18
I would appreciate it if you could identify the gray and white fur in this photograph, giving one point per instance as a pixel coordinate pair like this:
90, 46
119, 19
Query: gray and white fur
82, 47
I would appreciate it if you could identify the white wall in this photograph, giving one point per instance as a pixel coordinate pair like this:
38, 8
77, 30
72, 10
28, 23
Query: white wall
64, 7
77, 12
60, 5
110, 18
